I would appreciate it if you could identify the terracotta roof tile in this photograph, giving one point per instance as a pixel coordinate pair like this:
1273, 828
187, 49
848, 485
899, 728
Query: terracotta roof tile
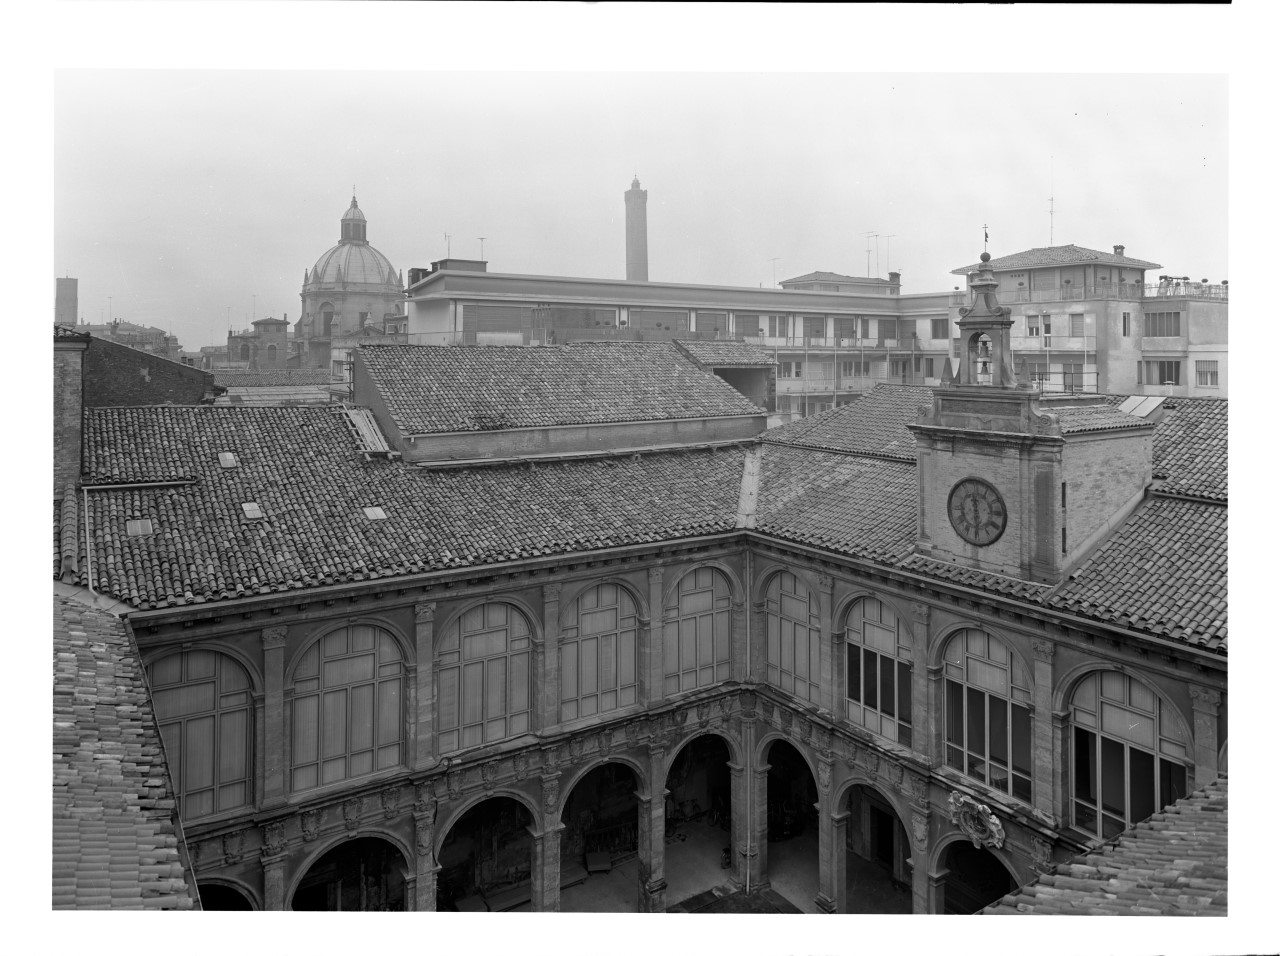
1075, 419
1048, 256
481, 388
114, 833
874, 424
722, 354
1172, 864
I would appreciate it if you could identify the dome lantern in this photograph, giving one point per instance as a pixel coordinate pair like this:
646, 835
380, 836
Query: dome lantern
353, 223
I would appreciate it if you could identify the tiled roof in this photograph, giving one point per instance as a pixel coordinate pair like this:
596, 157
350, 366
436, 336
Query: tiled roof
115, 842
1164, 571
865, 507
874, 424
300, 465
831, 277
1075, 419
974, 578
1172, 864
70, 333
248, 378
1189, 448
1048, 256
719, 354
482, 388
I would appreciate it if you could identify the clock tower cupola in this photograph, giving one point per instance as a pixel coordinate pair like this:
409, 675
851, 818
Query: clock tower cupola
1013, 480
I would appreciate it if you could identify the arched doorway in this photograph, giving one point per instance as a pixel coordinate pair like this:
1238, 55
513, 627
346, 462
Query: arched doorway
599, 843
792, 826
486, 860
975, 878
361, 875
877, 856
217, 897
698, 811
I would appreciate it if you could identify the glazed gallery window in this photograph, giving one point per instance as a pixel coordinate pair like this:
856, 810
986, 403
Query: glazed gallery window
1129, 754
483, 672
598, 654
1162, 323
695, 632
988, 696
203, 706
792, 634
1160, 372
878, 671
347, 708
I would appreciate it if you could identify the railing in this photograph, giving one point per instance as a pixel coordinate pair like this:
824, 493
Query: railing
1191, 290
1073, 293
793, 343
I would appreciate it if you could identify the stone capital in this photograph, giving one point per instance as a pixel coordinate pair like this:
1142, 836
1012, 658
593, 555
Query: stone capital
919, 612
274, 637
551, 592
1043, 649
424, 613
825, 581
1205, 698
655, 575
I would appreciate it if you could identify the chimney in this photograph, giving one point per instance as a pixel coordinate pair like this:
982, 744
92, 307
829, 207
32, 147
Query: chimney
637, 233
1118, 250
895, 283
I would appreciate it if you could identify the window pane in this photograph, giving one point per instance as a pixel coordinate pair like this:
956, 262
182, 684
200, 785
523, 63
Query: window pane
495, 704
472, 693
569, 670
518, 687
333, 730
853, 672
361, 717
588, 650
976, 717
233, 757
869, 678
904, 694
886, 686
389, 719
1021, 721
198, 751
1142, 785
627, 657
1086, 787
448, 702
999, 731
955, 713
1173, 783
1112, 764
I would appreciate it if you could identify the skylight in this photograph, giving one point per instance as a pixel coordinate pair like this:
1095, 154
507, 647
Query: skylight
252, 511
228, 459
138, 526
374, 513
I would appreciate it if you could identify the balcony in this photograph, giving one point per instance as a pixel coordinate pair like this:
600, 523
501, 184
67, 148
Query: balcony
1187, 290
848, 344
1074, 293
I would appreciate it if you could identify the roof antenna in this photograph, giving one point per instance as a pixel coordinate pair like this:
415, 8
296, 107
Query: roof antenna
984, 237
1050, 200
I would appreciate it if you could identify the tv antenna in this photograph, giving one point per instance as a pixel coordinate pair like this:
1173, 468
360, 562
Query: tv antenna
448, 254
774, 260
888, 260
1050, 200
482, 239
867, 236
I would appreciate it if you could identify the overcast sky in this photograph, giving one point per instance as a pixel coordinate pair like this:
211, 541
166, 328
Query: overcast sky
182, 195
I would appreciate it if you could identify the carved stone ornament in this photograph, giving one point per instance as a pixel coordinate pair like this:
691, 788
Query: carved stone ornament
273, 637
351, 809
520, 766
824, 741
604, 742
390, 802
1043, 649
896, 774
919, 612
784, 719
232, 845
197, 852
575, 751
424, 613
273, 839
920, 788
632, 731
747, 701
488, 773
824, 776
1041, 855
655, 575
551, 592
425, 835
310, 825
550, 793
919, 830
453, 784
975, 820
825, 581
871, 760
704, 713
766, 709
424, 797
1206, 695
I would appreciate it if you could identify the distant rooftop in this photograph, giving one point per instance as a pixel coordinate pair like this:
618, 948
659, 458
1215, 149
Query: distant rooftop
1069, 255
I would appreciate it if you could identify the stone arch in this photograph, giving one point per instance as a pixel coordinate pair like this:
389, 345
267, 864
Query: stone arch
470, 803
235, 885
860, 778
765, 576
324, 628
445, 624
569, 598
256, 681
1070, 680
840, 610
767, 741
1002, 855
938, 646
736, 591
566, 788
406, 853
669, 758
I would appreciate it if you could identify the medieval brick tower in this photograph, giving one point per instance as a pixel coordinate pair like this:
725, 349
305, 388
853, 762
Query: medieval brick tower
637, 233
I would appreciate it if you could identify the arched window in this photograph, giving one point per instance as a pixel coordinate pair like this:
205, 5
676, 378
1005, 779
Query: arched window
598, 654
203, 706
271, 356
695, 636
988, 718
1129, 754
793, 631
483, 675
244, 351
878, 670
347, 706
326, 319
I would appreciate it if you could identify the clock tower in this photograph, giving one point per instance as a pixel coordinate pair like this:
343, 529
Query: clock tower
1013, 480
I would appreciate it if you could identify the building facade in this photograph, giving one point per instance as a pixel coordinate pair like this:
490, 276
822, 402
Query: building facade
918, 636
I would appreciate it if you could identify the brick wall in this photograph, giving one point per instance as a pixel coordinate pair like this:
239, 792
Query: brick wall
67, 418
1103, 473
118, 375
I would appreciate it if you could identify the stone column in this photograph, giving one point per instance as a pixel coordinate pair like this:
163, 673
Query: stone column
757, 779
1043, 764
840, 863
425, 865
275, 756
830, 855
273, 867
920, 880
937, 890
546, 662
827, 661
1204, 705
651, 636
651, 842
546, 869
423, 716
738, 636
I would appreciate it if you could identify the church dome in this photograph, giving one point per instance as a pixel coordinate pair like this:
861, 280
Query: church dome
353, 263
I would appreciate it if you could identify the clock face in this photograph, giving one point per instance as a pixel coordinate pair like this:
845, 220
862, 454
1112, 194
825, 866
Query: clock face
977, 511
